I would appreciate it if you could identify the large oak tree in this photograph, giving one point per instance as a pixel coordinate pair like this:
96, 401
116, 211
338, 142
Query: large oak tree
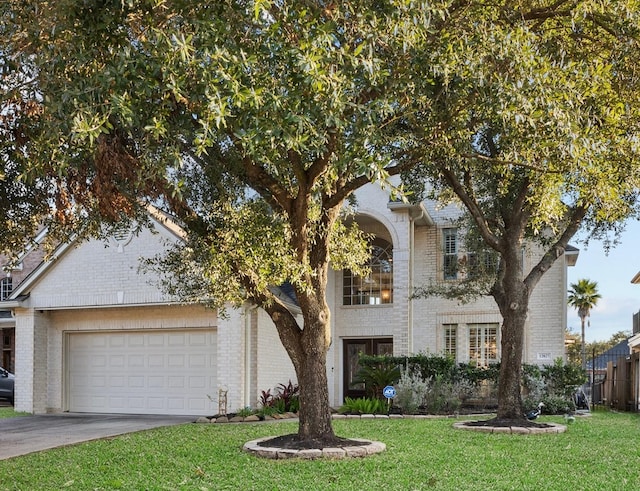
254, 121
535, 133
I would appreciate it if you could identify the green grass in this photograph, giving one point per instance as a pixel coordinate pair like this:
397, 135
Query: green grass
596, 453
8, 412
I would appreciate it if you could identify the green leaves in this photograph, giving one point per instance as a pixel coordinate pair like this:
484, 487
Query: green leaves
302, 102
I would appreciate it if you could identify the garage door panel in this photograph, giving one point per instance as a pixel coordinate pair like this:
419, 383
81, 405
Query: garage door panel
116, 341
140, 372
115, 361
136, 361
156, 361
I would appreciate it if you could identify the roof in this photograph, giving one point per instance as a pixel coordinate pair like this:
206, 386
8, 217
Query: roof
571, 253
417, 212
20, 291
612, 354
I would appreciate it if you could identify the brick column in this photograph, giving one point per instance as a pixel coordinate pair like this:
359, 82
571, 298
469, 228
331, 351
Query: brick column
31, 361
230, 358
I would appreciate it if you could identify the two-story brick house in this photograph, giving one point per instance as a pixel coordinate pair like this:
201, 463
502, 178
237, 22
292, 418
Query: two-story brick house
93, 334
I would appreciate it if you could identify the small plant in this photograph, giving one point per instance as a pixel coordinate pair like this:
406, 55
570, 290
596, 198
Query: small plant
289, 395
266, 397
244, 412
266, 411
285, 400
363, 405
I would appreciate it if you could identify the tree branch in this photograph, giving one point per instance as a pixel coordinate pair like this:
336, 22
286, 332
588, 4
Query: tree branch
499, 162
260, 179
466, 196
575, 218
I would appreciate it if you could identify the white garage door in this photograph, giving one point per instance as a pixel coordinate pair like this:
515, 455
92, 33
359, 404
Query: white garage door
150, 372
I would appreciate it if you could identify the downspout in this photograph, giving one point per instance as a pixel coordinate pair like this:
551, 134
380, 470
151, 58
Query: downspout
412, 227
248, 311
415, 214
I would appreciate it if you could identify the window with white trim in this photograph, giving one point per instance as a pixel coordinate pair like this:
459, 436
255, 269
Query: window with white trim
375, 288
483, 343
482, 263
450, 253
6, 287
450, 332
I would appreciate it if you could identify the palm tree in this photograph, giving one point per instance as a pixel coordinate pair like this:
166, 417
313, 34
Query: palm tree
584, 296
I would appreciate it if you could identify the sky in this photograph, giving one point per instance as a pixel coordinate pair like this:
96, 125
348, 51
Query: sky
613, 273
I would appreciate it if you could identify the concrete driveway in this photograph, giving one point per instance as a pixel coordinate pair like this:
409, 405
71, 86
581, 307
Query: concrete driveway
26, 434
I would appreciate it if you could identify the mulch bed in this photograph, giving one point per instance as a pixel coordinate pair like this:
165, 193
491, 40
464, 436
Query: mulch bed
507, 423
293, 442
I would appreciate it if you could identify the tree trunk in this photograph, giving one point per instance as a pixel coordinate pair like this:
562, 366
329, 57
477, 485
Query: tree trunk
512, 296
311, 368
315, 412
307, 347
512, 343
584, 346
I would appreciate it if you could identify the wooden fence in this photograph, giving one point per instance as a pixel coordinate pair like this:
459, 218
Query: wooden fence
616, 385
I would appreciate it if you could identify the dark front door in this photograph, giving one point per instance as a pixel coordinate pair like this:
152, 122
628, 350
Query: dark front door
352, 350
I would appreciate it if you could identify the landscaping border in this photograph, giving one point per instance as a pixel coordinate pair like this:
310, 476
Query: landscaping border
368, 447
514, 430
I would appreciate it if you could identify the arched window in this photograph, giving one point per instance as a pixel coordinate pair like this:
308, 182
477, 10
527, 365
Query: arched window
377, 287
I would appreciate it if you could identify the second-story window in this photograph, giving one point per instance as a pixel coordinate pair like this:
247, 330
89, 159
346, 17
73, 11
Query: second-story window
376, 288
450, 253
6, 287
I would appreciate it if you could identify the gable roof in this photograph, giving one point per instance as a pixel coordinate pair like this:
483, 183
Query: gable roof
21, 292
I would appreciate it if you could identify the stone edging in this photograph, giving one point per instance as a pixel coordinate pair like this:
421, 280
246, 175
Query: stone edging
514, 430
370, 448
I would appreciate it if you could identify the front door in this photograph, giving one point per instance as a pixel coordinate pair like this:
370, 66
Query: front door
352, 350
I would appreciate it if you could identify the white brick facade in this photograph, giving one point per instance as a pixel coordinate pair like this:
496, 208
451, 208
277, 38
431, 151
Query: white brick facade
97, 287
416, 325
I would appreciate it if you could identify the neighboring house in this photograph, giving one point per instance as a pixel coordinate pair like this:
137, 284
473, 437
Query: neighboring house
608, 374
10, 277
634, 346
92, 334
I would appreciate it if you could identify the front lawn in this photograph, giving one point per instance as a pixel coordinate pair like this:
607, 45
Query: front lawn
596, 453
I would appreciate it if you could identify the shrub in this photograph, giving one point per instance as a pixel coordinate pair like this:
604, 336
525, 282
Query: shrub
563, 379
411, 390
285, 400
244, 412
266, 411
363, 405
553, 385
376, 374
436, 384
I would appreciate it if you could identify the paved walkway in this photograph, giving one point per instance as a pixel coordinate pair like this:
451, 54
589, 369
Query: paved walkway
26, 434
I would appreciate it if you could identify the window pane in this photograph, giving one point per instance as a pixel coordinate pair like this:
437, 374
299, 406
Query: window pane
353, 367
450, 253
377, 287
450, 337
483, 343
6, 286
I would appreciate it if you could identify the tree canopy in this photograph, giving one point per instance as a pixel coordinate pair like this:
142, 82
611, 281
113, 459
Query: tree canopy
535, 132
254, 121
